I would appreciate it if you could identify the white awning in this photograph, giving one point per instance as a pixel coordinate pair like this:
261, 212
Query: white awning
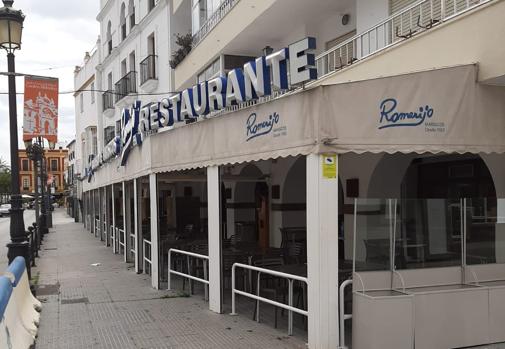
443, 110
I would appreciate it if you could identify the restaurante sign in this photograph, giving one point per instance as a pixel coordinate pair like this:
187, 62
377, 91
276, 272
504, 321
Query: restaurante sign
256, 79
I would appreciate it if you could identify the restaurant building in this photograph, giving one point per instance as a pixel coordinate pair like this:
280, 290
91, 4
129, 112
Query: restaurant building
331, 167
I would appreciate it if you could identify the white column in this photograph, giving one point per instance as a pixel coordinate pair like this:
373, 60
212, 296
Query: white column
322, 255
124, 223
113, 220
100, 213
93, 195
136, 225
107, 217
214, 223
153, 188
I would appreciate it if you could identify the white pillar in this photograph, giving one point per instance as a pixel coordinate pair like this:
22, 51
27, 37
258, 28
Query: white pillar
107, 216
113, 220
214, 223
124, 223
94, 212
136, 225
100, 213
322, 254
153, 198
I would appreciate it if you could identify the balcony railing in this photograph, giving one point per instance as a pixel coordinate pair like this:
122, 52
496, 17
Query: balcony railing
108, 100
410, 21
213, 20
148, 69
126, 85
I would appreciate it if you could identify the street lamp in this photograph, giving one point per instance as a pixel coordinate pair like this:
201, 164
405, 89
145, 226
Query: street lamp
11, 27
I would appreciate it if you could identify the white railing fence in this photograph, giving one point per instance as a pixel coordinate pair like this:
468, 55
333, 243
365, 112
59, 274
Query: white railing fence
112, 235
122, 240
97, 227
213, 20
342, 316
289, 277
189, 256
146, 246
412, 20
133, 244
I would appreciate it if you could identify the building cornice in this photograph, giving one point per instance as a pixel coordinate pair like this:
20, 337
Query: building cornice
104, 9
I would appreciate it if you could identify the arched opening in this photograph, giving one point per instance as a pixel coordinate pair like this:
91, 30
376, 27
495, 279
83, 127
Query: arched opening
436, 200
131, 14
122, 19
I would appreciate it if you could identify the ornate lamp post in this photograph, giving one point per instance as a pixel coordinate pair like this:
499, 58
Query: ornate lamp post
11, 27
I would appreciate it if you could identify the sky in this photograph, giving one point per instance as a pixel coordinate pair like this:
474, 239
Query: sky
56, 35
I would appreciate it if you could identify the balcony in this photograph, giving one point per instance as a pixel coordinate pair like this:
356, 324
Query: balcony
213, 20
126, 85
413, 20
108, 100
148, 69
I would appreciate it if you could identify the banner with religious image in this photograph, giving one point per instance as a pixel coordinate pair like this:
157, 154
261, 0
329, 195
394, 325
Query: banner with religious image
40, 109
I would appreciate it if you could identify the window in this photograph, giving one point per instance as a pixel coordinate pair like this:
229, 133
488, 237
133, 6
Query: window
54, 164
109, 38
94, 141
108, 134
25, 165
92, 92
131, 12
210, 72
199, 14
132, 61
26, 183
81, 102
151, 4
202, 11
122, 18
151, 44
109, 81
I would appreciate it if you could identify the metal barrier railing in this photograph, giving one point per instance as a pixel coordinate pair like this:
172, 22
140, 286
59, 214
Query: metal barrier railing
146, 259
410, 21
122, 240
112, 235
342, 315
133, 240
188, 276
97, 227
289, 277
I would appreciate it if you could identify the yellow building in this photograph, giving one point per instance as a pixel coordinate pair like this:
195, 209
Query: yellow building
55, 160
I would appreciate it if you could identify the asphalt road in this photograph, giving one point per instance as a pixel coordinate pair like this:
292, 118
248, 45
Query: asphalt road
29, 216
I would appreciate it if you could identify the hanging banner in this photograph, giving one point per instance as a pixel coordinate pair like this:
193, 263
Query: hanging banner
41, 109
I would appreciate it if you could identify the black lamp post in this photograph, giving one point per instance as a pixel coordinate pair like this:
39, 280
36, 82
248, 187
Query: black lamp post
11, 27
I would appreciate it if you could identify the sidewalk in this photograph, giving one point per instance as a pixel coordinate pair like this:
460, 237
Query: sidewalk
109, 306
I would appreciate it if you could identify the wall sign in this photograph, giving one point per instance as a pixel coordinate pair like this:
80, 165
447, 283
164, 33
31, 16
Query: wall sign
392, 116
251, 82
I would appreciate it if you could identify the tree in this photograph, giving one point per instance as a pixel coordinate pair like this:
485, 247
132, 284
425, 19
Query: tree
5, 177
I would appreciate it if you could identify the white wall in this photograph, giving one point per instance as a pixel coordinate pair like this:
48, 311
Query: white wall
370, 12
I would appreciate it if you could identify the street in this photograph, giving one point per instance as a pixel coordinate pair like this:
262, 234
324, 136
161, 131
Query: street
29, 217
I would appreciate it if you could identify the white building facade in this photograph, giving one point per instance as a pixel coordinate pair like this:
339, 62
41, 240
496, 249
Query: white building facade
356, 163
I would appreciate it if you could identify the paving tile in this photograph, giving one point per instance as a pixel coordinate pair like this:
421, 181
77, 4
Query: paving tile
110, 306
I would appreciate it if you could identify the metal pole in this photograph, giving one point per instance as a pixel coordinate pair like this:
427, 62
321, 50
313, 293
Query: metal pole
43, 208
18, 245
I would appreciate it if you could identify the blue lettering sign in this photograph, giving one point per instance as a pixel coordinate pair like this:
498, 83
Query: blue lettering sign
255, 129
391, 117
